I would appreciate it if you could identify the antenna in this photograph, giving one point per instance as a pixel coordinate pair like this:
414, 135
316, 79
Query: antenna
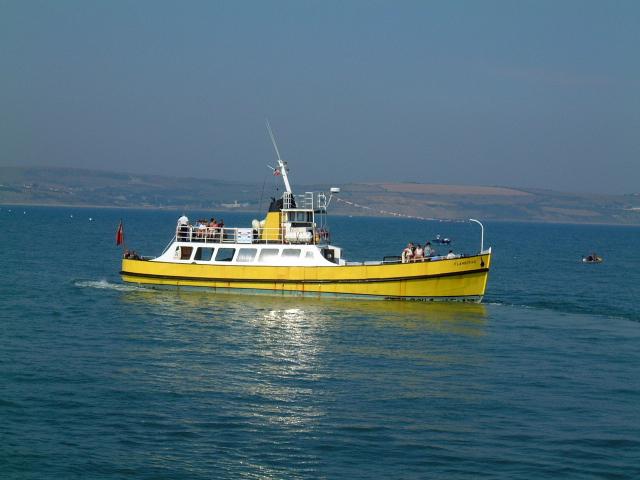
333, 190
281, 164
273, 140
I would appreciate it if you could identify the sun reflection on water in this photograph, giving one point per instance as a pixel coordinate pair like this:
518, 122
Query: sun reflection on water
286, 344
301, 317
276, 368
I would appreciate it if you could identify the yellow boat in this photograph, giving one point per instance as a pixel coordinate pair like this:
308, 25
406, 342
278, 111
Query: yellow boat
289, 252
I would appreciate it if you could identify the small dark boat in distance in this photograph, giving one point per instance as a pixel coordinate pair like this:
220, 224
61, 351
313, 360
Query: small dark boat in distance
593, 258
441, 241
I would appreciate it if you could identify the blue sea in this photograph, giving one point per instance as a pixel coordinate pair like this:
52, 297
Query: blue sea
105, 380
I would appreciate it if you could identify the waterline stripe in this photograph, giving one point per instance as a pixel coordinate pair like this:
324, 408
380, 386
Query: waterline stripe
304, 282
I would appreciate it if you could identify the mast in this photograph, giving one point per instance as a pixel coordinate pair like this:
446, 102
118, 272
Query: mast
281, 165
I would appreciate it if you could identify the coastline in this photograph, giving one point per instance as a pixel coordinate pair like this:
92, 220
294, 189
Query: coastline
79, 188
341, 214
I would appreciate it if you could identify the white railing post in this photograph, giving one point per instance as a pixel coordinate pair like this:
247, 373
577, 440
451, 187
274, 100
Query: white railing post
481, 233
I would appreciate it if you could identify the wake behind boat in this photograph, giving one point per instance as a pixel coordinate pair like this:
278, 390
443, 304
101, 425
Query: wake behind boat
290, 252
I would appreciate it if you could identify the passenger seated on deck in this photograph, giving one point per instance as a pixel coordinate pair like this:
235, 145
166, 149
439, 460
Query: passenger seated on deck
407, 253
429, 251
211, 227
418, 254
451, 254
202, 228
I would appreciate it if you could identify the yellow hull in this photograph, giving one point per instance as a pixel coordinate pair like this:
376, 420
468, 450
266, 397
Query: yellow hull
459, 278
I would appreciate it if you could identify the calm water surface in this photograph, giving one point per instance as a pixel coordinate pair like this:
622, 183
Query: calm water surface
105, 380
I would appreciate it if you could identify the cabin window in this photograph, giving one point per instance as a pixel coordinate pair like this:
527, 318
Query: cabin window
291, 252
268, 254
225, 254
246, 255
184, 252
300, 219
309, 255
204, 254
329, 254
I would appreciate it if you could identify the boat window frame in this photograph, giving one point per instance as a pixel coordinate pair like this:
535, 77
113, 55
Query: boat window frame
299, 218
242, 258
222, 250
199, 250
261, 256
285, 255
183, 249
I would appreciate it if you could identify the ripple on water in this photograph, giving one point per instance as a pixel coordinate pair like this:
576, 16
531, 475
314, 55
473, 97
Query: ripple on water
102, 379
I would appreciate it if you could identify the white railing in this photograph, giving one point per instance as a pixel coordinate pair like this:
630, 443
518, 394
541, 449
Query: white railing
287, 200
307, 201
322, 201
189, 233
304, 202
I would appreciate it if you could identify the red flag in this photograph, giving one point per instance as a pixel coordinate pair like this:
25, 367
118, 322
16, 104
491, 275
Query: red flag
120, 234
276, 172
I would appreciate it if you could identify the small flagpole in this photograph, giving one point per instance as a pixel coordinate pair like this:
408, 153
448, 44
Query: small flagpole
120, 236
124, 243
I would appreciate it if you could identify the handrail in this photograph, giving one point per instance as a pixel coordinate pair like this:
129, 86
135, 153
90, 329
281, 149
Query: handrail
481, 233
279, 235
169, 244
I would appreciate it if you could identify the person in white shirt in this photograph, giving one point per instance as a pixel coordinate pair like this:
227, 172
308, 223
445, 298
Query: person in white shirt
451, 254
407, 253
418, 254
183, 228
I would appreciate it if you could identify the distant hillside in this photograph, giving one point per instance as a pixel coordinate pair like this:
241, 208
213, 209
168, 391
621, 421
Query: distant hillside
78, 187
497, 203
70, 186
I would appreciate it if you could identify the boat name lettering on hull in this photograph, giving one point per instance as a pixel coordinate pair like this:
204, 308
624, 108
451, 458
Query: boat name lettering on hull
465, 262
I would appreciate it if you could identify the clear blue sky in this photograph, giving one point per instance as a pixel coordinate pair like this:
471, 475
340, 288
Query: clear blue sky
519, 93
